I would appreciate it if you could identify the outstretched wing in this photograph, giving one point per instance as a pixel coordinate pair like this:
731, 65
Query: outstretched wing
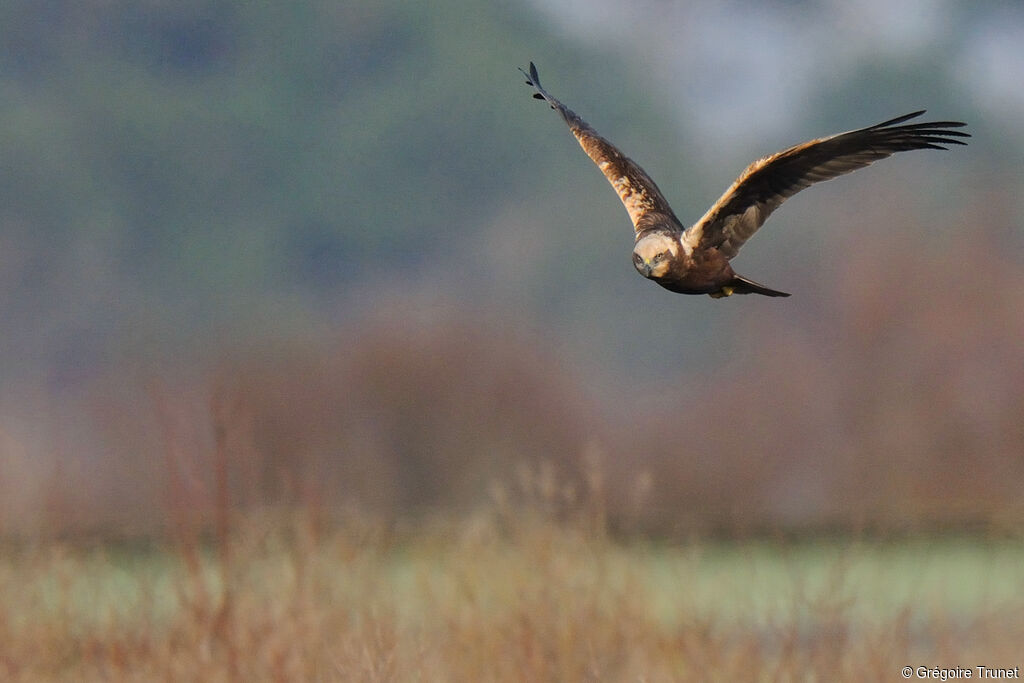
768, 182
641, 197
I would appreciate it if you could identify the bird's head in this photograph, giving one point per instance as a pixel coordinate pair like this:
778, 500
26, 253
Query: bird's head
653, 254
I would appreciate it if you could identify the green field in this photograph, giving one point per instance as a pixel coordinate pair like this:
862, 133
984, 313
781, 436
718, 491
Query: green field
493, 599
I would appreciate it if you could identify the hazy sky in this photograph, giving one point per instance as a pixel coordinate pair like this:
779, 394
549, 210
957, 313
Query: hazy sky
742, 57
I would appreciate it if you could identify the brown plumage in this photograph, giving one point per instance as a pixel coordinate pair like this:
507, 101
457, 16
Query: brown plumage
696, 260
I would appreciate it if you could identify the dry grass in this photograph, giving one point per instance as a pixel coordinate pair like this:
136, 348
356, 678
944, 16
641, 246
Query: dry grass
501, 597
877, 427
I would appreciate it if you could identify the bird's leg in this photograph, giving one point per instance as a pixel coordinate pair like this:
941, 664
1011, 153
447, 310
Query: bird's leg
723, 292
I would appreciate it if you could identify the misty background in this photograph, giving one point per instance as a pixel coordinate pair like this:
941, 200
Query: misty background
333, 253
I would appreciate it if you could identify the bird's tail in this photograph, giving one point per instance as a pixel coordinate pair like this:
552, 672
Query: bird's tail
741, 285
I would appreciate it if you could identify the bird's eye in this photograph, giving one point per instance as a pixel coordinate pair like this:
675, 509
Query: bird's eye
662, 255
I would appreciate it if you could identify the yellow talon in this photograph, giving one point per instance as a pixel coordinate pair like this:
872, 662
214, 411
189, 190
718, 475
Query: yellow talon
724, 291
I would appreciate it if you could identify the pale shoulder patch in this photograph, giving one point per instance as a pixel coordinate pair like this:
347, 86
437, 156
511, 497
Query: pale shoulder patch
637, 192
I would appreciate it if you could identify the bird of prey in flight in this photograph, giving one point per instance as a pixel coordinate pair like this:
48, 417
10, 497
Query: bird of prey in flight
695, 260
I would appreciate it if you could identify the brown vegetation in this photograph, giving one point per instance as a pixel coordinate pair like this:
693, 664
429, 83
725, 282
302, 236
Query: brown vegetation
443, 500
509, 595
896, 406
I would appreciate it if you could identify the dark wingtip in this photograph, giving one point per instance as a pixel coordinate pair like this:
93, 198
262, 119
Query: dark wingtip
899, 119
533, 79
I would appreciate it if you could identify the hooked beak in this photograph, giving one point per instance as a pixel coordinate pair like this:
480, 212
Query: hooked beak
645, 268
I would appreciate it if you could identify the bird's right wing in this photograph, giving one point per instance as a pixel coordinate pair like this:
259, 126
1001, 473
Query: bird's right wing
643, 200
768, 182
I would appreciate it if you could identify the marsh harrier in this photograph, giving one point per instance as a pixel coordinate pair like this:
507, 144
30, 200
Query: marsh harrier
696, 260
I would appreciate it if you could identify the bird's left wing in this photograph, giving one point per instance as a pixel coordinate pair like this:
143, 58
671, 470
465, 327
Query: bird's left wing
643, 200
768, 182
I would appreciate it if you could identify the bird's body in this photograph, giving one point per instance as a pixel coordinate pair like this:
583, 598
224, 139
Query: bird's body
697, 260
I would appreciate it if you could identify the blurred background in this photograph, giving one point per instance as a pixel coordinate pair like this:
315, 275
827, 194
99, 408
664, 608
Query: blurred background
333, 254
